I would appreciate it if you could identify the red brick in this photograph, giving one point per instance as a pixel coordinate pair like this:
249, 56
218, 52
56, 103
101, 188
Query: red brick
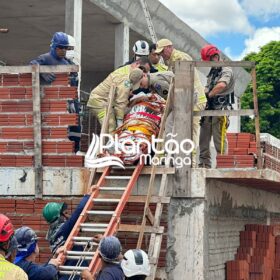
17, 133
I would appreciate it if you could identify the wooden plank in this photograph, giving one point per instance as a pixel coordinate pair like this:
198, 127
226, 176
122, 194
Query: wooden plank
15, 69
183, 111
138, 228
257, 119
59, 68
216, 113
154, 167
150, 216
36, 98
155, 256
248, 64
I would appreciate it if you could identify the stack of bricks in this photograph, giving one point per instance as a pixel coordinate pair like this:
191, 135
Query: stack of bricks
271, 157
258, 244
16, 122
241, 151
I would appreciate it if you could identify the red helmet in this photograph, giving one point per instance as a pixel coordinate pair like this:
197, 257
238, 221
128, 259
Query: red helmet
208, 51
6, 228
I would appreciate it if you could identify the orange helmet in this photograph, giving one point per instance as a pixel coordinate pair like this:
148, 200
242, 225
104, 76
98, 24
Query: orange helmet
6, 228
208, 51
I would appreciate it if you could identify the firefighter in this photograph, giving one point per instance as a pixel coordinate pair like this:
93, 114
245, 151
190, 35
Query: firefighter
125, 79
110, 252
135, 265
170, 55
8, 271
28, 250
140, 49
155, 60
157, 82
220, 94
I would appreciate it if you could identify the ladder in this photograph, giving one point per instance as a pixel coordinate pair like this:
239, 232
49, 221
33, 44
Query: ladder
90, 252
149, 20
99, 200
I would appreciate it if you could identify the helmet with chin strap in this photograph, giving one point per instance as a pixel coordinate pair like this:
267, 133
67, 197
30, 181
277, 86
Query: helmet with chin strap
60, 39
141, 48
208, 51
6, 228
26, 237
135, 262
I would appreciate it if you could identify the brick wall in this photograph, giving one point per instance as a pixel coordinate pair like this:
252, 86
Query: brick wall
242, 151
28, 212
258, 256
16, 122
223, 240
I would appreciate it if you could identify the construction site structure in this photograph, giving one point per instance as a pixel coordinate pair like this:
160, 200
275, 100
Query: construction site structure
187, 219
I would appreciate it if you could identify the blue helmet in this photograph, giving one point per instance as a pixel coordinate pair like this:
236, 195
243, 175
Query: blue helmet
59, 39
26, 237
110, 248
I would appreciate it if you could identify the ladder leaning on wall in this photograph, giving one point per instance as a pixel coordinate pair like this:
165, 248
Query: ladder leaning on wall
83, 232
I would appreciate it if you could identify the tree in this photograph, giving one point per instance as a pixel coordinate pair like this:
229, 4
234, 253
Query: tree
268, 88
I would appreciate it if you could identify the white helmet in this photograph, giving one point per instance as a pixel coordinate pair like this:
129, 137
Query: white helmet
141, 48
72, 41
135, 262
71, 53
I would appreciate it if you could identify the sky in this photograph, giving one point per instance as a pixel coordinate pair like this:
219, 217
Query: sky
237, 27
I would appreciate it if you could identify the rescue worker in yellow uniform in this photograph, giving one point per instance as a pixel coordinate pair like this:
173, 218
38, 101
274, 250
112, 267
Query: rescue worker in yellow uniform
123, 78
158, 82
154, 58
220, 95
166, 49
8, 271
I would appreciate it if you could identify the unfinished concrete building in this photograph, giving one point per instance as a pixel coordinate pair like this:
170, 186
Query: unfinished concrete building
204, 210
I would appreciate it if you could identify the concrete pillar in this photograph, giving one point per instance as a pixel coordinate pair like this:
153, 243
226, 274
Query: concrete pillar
187, 254
121, 44
73, 23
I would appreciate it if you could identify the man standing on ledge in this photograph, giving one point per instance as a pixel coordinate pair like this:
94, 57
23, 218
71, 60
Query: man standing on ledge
219, 92
170, 55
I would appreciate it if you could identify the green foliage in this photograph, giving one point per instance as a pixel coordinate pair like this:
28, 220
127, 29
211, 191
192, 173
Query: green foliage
268, 88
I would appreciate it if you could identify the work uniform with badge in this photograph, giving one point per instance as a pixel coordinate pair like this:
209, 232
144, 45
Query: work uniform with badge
160, 82
123, 82
171, 55
215, 126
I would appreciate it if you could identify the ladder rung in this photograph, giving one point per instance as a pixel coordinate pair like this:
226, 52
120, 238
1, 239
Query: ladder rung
84, 243
68, 272
82, 238
68, 267
80, 253
117, 177
78, 258
106, 199
93, 229
112, 189
98, 212
94, 225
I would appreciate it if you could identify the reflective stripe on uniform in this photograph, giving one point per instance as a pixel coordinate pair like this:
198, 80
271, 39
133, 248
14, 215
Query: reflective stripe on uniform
9, 271
160, 67
101, 114
223, 133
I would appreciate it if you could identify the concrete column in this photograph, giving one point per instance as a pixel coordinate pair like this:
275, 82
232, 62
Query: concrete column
73, 22
121, 44
187, 254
